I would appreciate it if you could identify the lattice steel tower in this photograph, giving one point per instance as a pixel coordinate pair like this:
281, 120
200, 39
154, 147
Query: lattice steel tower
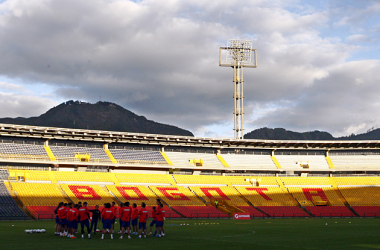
238, 54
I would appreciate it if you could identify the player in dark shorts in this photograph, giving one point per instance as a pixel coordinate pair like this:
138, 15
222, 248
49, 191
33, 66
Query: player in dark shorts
96, 216
126, 215
120, 209
143, 215
84, 215
62, 215
57, 221
108, 215
153, 221
135, 214
114, 209
160, 220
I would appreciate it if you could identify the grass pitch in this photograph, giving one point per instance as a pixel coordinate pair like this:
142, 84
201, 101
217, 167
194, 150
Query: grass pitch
350, 233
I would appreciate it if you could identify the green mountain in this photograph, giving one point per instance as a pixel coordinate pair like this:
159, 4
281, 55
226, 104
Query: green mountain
98, 116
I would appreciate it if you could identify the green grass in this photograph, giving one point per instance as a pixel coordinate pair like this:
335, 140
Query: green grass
212, 234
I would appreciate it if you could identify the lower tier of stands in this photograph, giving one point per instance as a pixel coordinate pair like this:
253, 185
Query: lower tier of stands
284, 211
200, 212
367, 211
330, 211
254, 213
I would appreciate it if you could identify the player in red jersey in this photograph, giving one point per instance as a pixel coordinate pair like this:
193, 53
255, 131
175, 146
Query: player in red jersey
115, 210
135, 214
62, 220
84, 215
153, 221
57, 221
160, 220
143, 215
120, 210
108, 214
73, 220
126, 215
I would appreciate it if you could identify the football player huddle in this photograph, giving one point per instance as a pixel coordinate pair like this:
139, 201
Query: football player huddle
132, 219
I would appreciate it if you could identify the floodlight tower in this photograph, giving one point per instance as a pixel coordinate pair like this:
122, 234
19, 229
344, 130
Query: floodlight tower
238, 54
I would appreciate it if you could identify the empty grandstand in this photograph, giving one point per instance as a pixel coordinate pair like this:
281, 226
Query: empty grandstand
194, 177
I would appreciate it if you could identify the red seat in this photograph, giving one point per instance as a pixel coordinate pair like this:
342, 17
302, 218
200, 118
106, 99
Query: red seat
284, 211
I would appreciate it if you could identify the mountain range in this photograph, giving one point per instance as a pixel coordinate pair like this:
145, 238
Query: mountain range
99, 116
112, 117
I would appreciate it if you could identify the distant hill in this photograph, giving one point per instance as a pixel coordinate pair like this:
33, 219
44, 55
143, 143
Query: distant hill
98, 116
283, 134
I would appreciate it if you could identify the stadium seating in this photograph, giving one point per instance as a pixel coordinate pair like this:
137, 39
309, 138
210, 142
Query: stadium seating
293, 161
93, 194
8, 207
63, 153
23, 151
181, 159
254, 213
361, 196
125, 156
133, 194
200, 212
330, 211
363, 162
266, 196
201, 179
283, 211
310, 196
367, 211
38, 194
4, 174
228, 194
158, 179
249, 161
176, 196
88, 177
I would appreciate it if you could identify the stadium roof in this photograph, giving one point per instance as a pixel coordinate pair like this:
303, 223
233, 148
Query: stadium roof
173, 140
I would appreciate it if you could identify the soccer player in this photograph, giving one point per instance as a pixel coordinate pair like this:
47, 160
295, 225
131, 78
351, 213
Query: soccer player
57, 221
84, 214
62, 216
108, 214
115, 209
153, 221
96, 215
143, 215
120, 209
160, 220
126, 215
73, 222
135, 214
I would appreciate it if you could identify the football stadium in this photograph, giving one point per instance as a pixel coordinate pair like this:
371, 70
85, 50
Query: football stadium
225, 189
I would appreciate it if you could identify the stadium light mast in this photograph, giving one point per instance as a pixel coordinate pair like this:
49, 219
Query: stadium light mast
238, 54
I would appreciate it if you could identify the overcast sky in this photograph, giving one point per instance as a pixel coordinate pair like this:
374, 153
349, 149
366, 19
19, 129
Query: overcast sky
318, 61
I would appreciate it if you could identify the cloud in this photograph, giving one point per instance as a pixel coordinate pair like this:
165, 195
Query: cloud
23, 105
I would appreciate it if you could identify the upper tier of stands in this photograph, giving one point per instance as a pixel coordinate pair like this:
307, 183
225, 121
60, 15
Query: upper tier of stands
294, 161
347, 162
249, 161
62, 153
182, 159
125, 156
23, 151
